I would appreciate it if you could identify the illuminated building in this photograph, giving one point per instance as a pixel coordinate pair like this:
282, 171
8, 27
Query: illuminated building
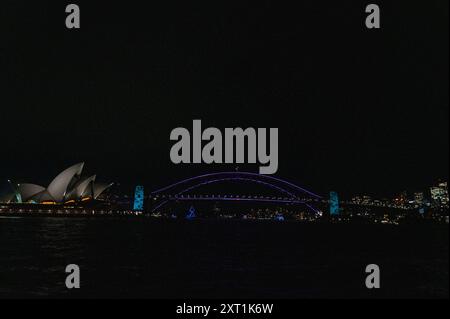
401, 200
419, 198
439, 194
67, 188
366, 200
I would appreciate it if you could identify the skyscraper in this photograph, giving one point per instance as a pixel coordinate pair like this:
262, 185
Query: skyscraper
439, 194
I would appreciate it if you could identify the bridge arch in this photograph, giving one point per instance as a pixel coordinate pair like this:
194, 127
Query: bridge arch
292, 192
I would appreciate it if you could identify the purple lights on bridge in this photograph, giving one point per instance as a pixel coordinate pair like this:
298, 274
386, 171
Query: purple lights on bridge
176, 191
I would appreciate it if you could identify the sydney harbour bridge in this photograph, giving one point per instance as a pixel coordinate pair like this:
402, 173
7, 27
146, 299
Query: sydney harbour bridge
272, 190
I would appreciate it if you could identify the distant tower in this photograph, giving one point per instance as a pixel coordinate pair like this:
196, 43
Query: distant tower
334, 204
139, 199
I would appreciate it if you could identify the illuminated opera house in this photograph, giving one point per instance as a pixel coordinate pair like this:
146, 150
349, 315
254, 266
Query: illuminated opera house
69, 187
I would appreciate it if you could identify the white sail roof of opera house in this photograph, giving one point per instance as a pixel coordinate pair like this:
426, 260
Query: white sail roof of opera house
81, 187
100, 188
68, 185
27, 191
58, 187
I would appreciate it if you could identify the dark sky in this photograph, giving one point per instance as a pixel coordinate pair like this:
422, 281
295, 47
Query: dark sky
357, 110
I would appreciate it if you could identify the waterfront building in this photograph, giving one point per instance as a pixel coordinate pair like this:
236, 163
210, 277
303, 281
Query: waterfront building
70, 186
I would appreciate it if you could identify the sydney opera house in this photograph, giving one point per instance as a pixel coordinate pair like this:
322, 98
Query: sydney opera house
69, 187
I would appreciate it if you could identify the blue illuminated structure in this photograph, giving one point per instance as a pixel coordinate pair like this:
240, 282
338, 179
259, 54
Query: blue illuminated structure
334, 204
139, 199
191, 213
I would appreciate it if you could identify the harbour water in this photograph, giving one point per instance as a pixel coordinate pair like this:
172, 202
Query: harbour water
157, 258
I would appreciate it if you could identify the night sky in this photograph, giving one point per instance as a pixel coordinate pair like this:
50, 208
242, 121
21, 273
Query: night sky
358, 110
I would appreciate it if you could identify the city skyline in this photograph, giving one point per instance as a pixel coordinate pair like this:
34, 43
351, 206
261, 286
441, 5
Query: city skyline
73, 185
411, 193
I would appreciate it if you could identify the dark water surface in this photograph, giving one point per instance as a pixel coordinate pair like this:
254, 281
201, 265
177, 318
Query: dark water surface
150, 258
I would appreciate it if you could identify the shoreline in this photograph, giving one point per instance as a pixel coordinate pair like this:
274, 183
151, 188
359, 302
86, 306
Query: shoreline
142, 216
